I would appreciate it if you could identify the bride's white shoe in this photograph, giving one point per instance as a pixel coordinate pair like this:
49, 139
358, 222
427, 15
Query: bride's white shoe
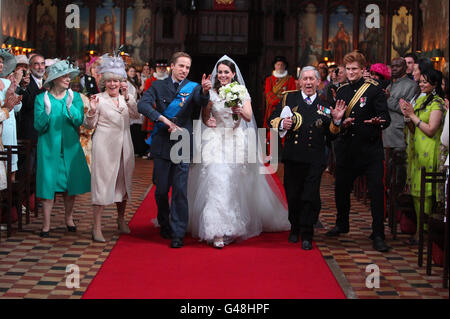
218, 243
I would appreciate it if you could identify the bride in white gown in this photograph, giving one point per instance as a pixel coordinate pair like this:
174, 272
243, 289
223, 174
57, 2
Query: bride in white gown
230, 198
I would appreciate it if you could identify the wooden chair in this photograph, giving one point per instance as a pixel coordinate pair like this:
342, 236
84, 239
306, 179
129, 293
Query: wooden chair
433, 178
7, 194
396, 200
26, 148
438, 233
18, 191
21, 187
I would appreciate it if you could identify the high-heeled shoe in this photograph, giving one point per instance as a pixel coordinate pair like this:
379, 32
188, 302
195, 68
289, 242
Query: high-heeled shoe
44, 234
123, 226
99, 239
71, 229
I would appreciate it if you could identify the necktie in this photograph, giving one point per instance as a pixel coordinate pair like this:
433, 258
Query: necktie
308, 100
176, 84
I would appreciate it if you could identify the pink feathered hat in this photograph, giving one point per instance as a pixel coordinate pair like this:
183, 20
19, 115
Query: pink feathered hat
381, 69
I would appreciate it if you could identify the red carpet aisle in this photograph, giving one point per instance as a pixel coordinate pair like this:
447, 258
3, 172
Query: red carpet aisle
142, 265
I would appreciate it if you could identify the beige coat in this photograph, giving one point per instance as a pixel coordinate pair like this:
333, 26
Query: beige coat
111, 140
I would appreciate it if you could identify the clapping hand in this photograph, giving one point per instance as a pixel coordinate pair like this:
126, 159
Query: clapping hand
406, 108
11, 99
338, 111
16, 75
206, 83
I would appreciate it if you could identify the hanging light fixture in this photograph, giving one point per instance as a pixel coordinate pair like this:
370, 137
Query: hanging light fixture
436, 55
327, 55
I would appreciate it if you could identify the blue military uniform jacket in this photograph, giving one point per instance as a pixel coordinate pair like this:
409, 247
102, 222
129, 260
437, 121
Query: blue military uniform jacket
162, 92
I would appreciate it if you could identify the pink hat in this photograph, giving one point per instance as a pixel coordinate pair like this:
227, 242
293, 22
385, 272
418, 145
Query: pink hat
381, 69
93, 59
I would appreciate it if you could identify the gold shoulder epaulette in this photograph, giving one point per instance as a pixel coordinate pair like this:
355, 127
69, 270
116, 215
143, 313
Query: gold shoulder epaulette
371, 81
341, 86
285, 92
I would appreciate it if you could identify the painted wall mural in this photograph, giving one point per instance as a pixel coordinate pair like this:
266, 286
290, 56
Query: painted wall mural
139, 33
371, 41
107, 28
340, 33
402, 24
46, 33
310, 36
77, 39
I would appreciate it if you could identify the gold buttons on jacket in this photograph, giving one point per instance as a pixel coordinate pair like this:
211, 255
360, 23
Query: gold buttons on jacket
296, 142
309, 145
296, 135
310, 138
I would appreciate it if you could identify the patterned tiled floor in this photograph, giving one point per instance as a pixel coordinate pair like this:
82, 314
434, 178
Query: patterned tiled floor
31, 267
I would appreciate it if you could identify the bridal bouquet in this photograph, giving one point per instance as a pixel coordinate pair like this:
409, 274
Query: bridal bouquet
233, 94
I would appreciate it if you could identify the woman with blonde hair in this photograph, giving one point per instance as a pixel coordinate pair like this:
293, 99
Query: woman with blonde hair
112, 149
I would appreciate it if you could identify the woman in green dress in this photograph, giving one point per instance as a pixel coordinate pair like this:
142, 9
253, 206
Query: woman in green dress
425, 125
61, 164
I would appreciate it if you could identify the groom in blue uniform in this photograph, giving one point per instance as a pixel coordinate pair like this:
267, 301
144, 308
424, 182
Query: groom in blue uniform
304, 151
176, 100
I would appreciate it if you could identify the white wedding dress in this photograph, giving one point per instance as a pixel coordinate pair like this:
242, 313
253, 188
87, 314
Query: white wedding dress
229, 199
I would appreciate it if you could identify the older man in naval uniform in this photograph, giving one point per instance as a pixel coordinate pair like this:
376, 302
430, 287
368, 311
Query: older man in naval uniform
305, 120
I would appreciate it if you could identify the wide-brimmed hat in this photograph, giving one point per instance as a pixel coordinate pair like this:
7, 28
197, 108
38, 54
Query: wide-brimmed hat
22, 59
112, 64
58, 69
9, 62
278, 59
381, 69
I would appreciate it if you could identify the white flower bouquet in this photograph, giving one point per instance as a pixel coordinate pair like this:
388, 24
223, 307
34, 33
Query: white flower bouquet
233, 94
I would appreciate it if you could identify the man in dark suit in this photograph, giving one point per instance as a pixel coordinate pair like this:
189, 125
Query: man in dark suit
176, 100
304, 151
359, 147
26, 115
